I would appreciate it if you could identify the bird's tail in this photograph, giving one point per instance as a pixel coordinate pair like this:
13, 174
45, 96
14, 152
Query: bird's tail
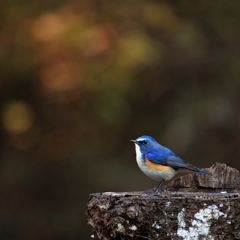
205, 172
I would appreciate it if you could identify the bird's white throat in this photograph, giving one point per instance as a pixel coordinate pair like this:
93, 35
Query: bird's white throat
138, 155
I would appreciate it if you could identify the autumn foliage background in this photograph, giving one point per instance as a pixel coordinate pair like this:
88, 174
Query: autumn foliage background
79, 79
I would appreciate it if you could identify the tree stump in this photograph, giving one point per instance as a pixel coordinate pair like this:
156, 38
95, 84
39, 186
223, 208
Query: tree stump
192, 207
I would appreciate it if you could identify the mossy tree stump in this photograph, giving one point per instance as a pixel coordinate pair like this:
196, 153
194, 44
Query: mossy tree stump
192, 207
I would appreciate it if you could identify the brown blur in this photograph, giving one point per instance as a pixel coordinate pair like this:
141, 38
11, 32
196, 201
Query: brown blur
80, 79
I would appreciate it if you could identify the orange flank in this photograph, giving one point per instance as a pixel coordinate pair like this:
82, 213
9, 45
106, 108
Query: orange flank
157, 166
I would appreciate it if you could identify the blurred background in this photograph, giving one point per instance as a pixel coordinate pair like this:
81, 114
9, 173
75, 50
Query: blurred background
79, 79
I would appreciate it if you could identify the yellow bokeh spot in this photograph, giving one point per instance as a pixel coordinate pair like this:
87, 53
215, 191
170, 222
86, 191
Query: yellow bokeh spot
17, 117
136, 49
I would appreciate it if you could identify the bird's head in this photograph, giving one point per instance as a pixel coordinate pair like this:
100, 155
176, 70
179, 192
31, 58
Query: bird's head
146, 143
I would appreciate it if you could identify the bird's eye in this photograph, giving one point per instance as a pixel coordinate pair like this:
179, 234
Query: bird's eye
144, 142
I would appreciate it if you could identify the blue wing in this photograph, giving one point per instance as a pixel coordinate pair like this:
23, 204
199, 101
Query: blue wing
168, 158
160, 156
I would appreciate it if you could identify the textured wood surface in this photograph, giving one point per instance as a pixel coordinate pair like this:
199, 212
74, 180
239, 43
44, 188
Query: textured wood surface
224, 178
192, 207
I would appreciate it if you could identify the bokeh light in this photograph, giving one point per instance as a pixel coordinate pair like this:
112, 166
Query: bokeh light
17, 117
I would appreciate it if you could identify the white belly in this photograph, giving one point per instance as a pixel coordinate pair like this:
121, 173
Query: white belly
154, 174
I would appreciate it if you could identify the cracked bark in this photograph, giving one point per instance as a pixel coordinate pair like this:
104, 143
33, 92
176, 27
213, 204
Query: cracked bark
194, 206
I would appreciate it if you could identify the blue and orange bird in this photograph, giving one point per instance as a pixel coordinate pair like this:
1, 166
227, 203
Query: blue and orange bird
158, 162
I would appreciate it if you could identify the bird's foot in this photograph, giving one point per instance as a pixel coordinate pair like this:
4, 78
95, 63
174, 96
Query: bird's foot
147, 192
158, 191
153, 192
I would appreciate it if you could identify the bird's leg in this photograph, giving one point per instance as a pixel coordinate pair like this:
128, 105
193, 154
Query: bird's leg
159, 187
156, 190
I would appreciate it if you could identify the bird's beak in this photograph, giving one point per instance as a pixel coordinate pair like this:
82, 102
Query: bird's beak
134, 141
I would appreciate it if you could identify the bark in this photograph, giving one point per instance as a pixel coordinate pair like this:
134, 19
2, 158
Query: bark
192, 207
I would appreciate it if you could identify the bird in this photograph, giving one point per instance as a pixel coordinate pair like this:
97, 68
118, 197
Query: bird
158, 162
